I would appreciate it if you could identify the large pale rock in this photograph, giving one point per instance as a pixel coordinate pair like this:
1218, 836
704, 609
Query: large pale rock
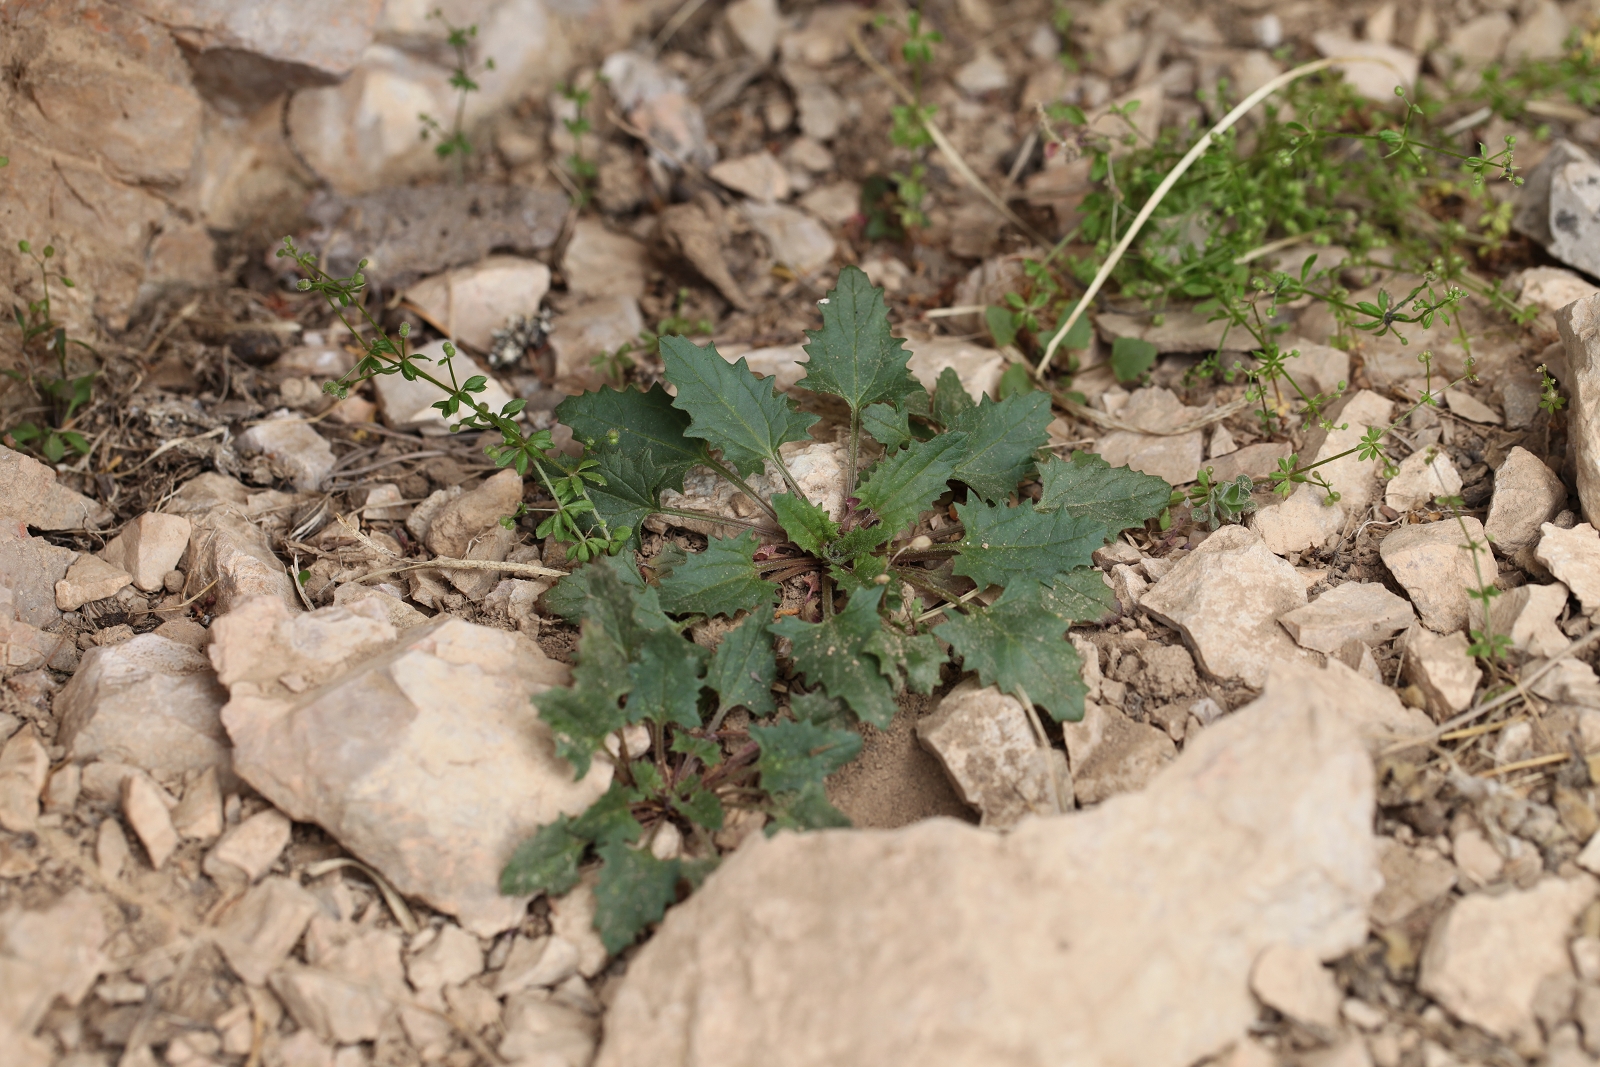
1373, 68
90, 578
30, 567
45, 955
797, 240
978, 368
592, 327
1354, 611
1433, 563
1172, 457
254, 52
1226, 597
1551, 288
1441, 666
423, 756
1369, 705
303, 453
983, 739
1109, 753
228, 553
1573, 556
149, 702
151, 545
1486, 957
1291, 980
102, 137
29, 492
1527, 615
471, 515
1423, 475
1306, 520
1579, 324
599, 263
471, 303
1062, 942
1527, 494
757, 24
1559, 206
409, 405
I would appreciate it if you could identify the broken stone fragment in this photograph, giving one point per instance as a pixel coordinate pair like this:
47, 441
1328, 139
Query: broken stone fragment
758, 175
257, 934
984, 741
90, 578
349, 994
1527, 615
979, 368
55, 953
424, 755
149, 547
229, 557
1435, 566
471, 303
30, 494
1174, 458
1423, 476
24, 766
1486, 957
1442, 668
1413, 878
1527, 494
30, 567
590, 329
1109, 753
816, 466
198, 815
1292, 980
1354, 611
1043, 930
1307, 519
1226, 597
600, 263
1559, 208
144, 806
250, 849
1573, 556
454, 527
149, 702
286, 438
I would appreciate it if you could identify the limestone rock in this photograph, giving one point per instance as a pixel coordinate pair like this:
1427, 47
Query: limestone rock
199, 815
1527, 494
251, 848
978, 368
409, 405
26, 648
658, 103
1485, 958
1368, 705
468, 517
816, 466
257, 934
543, 1031
30, 567
1063, 937
1527, 614
1291, 979
983, 739
45, 955
146, 812
1541, 33
288, 439
1413, 878
1573, 556
24, 767
758, 175
469, 304
1423, 475
797, 240
424, 755
1226, 597
787, 363
1305, 520
1172, 457
227, 549
150, 702
1436, 568
349, 994
1257, 460
1354, 611
253, 54
154, 543
1472, 409
1552, 288
1109, 753
588, 329
1374, 68
29, 492
541, 961
1442, 668
1559, 206
451, 958
757, 24
90, 578
600, 263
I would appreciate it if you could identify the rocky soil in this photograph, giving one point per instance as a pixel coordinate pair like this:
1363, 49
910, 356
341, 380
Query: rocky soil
271, 662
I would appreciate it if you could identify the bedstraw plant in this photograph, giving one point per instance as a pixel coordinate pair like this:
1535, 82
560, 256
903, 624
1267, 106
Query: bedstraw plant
454, 146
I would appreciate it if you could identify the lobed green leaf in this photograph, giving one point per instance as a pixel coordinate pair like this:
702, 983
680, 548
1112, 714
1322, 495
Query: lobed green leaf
856, 355
633, 891
743, 668
795, 754
1001, 441
729, 407
1116, 497
906, 483
1006, 545
1020, 645
807, 524
832, 654
642, 422
722, 580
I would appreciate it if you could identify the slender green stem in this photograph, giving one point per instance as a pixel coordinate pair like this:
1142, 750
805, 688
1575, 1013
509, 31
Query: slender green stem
740, 484
855, 449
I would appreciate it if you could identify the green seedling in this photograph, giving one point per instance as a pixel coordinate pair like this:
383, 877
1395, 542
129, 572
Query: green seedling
583, 169
454, 146
62, 393
908, 129
872, 607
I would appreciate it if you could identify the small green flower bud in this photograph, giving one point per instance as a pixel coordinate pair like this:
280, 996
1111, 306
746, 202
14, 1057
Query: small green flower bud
303, 284
405, 329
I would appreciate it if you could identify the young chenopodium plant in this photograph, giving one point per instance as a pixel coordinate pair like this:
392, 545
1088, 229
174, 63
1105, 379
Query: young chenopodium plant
889, 607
